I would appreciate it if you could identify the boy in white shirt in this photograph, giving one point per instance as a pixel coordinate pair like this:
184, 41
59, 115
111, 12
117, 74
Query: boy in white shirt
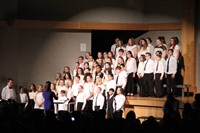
62, 104
23, 99
98, 101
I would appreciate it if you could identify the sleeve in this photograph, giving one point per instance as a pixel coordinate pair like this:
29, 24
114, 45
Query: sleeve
84, 103
124, 82
114, 104
163, 68
121, 103
174, 65
102, 102
134, 65
93, 103
26, 96
3, 94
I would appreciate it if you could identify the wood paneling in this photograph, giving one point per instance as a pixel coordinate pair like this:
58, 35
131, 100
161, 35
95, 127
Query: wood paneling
147, 106
36, 24
188, 43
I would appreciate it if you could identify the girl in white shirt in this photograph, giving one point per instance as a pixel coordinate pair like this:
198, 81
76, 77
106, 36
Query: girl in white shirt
131, 68
80, 99
23, 98
174, 45
118, 103
140, 73
38, 99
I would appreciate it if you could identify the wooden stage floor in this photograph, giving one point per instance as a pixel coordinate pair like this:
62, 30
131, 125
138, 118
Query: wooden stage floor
150, 106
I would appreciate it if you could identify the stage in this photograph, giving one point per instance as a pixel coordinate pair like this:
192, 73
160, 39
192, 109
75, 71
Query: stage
150, 106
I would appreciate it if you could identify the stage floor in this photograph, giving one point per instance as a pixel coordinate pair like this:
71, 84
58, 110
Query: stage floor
150, 106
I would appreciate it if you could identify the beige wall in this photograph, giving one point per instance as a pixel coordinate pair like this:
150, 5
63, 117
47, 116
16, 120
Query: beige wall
36, 56
167, 34
132, 11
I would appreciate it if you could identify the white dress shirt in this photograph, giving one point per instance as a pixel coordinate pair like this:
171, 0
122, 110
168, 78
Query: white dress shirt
142, 51
75, 87
131, 65
159, 67
32, 95
140, 70
8, 93
102, 86
121, 81
98, 101
39, 98
149, 66
81, 97
113, 48
88, 89
117, 50
130, 48
64, 102
110, 84
172, 65
23, 98
119, 101
59, 88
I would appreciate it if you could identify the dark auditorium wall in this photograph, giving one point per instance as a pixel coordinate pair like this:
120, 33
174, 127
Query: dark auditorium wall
120, 11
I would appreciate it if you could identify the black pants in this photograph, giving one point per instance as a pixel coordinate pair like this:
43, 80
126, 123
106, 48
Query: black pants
109, 113
141, 85
88, 105
171, 84
148, 84
117, 114
96, 108
130, 86
79, 106
158, 86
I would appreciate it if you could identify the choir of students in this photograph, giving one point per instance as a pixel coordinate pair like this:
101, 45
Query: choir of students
126, 70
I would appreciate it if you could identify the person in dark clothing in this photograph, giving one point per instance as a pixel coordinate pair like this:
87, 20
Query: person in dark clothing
48, 99
110, 99
171, 106
180, 67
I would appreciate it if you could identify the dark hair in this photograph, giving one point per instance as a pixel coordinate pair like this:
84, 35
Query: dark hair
121, 50
9, 79
162, 39
21, 87
78, 76
176, 40
47, 86
148, 38
159, 53
121, 89
62, 91
122, 65
82, 71
148, 53
34, 87
171, 50
86, 75
111, 89
111, 74
143, 57
69, 74
118, 67
99, 66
